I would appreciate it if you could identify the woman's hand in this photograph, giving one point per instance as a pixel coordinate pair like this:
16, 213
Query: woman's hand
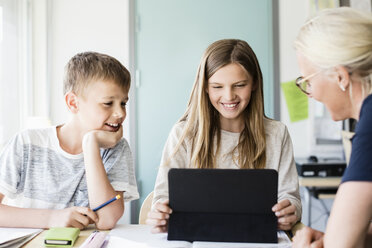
158, 218
286, 213
308, 238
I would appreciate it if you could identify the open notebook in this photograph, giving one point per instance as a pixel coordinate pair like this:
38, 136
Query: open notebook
16, 237
140, 236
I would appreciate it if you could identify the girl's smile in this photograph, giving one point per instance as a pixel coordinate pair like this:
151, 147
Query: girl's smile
229, 91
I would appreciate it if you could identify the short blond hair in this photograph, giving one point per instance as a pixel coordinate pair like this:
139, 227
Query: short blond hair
339, 36
86, 67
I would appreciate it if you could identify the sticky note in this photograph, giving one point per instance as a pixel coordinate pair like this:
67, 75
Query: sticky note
297, 101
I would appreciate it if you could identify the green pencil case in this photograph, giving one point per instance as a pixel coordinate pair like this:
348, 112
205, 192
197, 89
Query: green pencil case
61, 236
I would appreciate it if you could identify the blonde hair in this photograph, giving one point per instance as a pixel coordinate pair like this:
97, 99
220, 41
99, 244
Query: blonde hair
86, 67
201, 119
340, 36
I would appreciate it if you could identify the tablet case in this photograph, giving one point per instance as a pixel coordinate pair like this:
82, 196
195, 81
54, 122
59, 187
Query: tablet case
223, 205
61, 236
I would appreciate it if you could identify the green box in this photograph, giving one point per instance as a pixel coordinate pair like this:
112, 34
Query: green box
61, 236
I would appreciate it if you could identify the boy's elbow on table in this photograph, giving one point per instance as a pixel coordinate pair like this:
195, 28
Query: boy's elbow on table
107, 222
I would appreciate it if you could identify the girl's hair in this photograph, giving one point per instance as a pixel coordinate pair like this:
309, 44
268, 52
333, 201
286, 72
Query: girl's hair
202, 125
340, 36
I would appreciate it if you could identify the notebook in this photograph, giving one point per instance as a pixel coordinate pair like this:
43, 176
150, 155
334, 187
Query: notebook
223, 205
16, 237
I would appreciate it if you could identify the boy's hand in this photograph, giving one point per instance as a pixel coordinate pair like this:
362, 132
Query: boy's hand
104, 139
159, 217
286, 213
308, 238
79, 217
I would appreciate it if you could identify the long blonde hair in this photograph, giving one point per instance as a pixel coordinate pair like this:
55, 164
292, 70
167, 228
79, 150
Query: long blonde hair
201, 119
340, 36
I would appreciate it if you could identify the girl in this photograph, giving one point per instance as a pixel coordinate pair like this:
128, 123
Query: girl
224, 126
337, 71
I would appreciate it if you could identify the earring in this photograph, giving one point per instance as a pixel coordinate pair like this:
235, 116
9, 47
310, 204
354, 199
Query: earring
342, 87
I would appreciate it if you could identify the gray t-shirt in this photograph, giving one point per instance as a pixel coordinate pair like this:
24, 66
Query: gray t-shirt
36, 173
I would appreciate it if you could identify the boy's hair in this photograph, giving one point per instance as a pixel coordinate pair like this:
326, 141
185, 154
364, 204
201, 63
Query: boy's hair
86, 67
201, 119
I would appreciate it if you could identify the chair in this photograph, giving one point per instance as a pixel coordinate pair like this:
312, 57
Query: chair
298, 226
145, 208
346, 142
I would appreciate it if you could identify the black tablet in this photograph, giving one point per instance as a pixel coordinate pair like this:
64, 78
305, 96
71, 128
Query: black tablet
227, 205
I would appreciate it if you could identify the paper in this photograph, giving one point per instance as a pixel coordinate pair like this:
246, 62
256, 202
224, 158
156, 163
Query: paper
16, 237
116, 242
297, 101
140, 236
283, 242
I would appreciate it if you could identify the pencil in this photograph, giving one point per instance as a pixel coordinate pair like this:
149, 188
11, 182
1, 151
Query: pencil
106, 203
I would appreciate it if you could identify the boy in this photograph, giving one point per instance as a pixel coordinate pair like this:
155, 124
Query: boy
55, 176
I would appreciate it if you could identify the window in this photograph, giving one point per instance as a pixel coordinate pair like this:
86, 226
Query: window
11, 99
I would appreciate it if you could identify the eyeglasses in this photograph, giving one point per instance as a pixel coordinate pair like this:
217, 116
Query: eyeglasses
304, 84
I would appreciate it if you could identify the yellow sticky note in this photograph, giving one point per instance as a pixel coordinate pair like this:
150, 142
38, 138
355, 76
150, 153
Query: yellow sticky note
297, 101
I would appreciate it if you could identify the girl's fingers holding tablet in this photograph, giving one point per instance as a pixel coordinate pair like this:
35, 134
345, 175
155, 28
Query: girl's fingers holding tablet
280, 205
156, 222
159, 229
289, 210
157, 215
163, 207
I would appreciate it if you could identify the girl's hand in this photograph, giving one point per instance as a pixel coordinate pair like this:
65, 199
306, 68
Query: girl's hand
159, 217
79, 217
308, 238
286, 213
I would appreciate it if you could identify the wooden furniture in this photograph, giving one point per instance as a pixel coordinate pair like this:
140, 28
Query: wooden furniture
313, 185
145, 208
38, 241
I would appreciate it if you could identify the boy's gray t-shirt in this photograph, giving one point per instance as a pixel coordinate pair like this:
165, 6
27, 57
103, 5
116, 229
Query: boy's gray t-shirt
36, 173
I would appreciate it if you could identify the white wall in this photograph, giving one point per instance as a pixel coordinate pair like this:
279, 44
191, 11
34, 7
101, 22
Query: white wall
86, 25
292, 14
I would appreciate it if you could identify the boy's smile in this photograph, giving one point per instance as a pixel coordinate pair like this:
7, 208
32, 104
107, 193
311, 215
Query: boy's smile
102, 106
113, 126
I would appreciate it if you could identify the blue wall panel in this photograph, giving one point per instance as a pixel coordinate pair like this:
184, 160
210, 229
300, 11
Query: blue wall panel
170, 39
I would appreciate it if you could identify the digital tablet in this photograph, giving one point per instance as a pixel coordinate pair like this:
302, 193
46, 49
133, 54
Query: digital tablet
227, 205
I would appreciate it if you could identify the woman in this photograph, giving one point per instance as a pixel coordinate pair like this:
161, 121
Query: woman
334, 52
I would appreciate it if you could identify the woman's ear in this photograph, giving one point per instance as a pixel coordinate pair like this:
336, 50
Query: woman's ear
72, 102
343, 77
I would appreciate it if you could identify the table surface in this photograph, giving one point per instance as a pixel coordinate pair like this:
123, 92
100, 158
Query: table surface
319, 181
38, 241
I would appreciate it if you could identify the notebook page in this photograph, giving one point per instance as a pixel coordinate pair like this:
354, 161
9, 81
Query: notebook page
283, 242
140, 236
8, 235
